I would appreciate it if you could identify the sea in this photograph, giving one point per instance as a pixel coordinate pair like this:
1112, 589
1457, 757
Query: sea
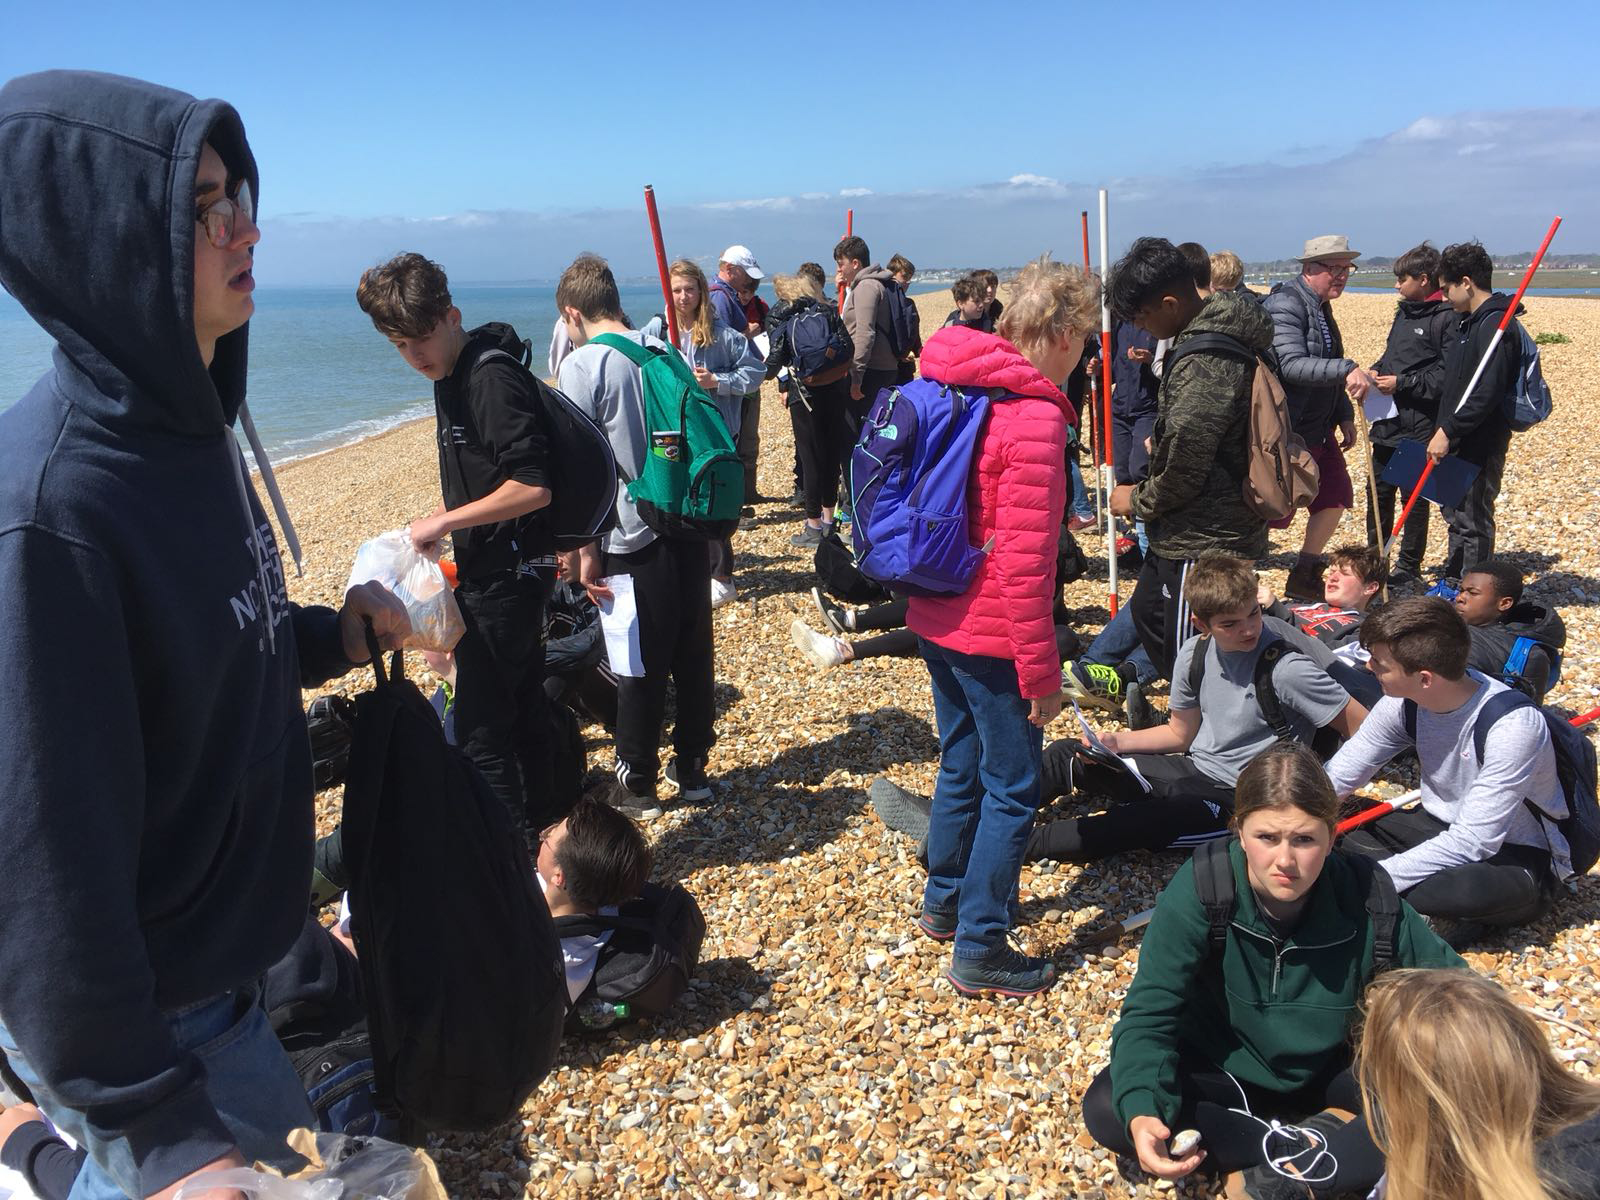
320, 375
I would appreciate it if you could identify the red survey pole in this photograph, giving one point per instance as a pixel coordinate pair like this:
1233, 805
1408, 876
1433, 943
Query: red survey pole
849, 231
661, 261
1483, 363
1107, 472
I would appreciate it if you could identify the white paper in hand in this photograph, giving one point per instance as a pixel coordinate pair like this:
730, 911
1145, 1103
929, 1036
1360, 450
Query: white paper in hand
763, 344
1095, 743
1379, 407
619, 621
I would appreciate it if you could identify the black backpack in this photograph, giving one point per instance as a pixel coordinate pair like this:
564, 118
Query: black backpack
1213, 885
1325, 741
312, 996
899, 317
1575, 768
650, 956
841, 578
328, 722
460, 965
583, 470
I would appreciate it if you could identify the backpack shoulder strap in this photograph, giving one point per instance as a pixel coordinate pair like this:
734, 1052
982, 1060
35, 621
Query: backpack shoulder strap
1213, 885
631, 350
1495, 707
591, 924
1197, 664
1267, 692
1214, 343
1383, 909
1408, 715
1517, 661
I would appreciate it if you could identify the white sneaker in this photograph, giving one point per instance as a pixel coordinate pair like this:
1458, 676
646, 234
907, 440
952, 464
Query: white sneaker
721, 593
818, 647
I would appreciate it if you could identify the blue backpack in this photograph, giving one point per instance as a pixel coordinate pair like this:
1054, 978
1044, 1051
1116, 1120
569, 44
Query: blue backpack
821, 348
1530, 403
908, 487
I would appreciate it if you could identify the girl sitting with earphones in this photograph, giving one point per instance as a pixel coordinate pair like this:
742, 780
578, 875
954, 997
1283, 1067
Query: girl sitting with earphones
1237, 1025
1470, 1103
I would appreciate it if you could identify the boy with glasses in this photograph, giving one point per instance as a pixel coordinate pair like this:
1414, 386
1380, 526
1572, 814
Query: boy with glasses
156, 834
1320, 383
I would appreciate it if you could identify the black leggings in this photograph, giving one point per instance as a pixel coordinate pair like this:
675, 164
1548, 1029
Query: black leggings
1513, 886
824, 440
1183, 808
1212, 1103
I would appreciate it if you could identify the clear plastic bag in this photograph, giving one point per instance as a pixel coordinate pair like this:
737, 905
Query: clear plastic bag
419, 582
341, 1168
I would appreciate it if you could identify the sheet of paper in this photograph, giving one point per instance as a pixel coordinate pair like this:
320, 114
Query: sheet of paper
1094, 741
619, 622
1379, 407
763, 344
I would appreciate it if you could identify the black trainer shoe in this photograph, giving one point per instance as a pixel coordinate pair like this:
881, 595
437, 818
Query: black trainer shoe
839, 619
1005, 970
1305, 582
1140, 713
1094, 684
941, 927
902, 811
1404, 576
688, 776
632, 795
747, 517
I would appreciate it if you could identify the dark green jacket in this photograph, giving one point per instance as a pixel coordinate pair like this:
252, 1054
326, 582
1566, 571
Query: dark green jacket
1192, 501
1273, 1020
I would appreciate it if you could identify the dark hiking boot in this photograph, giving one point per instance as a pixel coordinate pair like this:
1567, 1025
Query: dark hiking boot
902, 811
1004, 970
941, 927
1305, 582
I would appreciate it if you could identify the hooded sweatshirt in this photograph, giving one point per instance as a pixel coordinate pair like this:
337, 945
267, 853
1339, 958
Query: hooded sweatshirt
1015, 497
156, 828
1192, 500
866, 318
1492, 645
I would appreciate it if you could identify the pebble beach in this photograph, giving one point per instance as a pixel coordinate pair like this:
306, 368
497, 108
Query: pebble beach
819, 1051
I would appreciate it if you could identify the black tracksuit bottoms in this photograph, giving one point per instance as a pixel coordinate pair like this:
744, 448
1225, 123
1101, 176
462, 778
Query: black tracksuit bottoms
672, 587
1159, 613
1233, 1123
1513, 886
501, 713
1472, 521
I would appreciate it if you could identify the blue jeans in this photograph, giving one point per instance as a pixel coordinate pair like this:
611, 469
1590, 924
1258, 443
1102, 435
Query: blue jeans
1080, 493
986, 796
1118, 643
249, 1080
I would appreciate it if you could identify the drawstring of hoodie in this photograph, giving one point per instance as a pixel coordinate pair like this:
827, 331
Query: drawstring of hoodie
271, 481
255, 533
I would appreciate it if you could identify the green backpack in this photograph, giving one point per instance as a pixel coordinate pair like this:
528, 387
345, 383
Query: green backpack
692, 485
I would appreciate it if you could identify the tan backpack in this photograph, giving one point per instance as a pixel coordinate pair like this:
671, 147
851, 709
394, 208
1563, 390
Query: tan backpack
1281, 475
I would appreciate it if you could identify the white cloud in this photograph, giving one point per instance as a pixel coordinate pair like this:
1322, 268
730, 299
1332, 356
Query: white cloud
1027, 180
852, 192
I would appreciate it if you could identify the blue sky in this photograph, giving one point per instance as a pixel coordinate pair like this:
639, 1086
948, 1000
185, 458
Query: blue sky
961, 133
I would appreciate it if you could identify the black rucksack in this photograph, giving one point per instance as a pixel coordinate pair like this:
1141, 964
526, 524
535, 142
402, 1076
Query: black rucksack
583, 470
1575, 768
460, 965
841, 578
651, 955
1213, 885
1324, 741
328, 722
899, 317
819, 345
312, 997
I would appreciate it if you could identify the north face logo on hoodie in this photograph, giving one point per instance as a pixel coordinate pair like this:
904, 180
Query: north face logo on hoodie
247, 604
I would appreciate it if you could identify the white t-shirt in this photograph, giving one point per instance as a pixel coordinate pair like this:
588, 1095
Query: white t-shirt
580, 955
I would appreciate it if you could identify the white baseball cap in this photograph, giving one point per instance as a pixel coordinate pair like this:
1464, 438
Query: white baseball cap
740, 256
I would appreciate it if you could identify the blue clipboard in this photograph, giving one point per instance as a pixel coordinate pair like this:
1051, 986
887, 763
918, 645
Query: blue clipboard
1446, 487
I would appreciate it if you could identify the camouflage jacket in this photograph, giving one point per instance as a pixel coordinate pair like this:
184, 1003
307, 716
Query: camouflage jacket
1192, 501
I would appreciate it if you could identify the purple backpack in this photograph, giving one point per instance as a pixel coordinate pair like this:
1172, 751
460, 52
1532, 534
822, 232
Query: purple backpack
908, 487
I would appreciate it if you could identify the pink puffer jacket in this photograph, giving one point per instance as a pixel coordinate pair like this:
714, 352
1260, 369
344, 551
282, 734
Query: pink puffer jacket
1017, 494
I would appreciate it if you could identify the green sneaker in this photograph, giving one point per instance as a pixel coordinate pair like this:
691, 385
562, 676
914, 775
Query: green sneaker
1094, 684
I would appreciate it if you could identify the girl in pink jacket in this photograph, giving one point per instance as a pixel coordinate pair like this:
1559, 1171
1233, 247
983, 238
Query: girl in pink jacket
991, 651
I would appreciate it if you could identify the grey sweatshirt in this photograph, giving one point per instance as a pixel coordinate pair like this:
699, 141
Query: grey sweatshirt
606, 386
1482, 805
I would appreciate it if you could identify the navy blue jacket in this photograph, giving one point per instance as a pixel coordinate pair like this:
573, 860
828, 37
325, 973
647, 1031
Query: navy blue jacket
156, 826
